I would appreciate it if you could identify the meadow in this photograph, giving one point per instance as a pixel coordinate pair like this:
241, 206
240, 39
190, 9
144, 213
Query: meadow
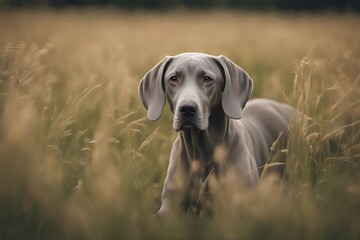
79, 159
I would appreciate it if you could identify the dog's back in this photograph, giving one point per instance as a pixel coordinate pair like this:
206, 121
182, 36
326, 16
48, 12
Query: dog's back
265, 120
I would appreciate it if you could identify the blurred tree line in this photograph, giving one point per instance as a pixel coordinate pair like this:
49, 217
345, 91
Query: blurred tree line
310, 5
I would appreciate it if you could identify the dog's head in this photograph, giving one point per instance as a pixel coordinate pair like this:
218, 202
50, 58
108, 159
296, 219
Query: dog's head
194, 84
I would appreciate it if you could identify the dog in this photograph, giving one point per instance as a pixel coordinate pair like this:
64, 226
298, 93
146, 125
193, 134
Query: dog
207, 96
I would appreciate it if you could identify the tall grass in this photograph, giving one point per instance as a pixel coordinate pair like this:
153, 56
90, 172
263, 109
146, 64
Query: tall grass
78, 159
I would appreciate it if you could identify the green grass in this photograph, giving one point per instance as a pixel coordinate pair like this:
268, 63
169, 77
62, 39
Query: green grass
79, 160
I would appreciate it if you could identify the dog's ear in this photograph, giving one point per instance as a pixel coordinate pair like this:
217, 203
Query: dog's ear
237, 90
151, 90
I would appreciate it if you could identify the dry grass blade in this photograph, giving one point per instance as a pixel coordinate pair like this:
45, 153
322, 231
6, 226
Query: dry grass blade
275, 143
28, 67
355, 148
346, 109
142, 148
203, 187
268, 166
339, 130
137, 122
123, 118
323, 93
60, 122
341, 100
6, 51
341, 159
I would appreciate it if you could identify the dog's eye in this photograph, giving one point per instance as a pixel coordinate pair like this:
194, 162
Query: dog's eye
207, 79
173, 79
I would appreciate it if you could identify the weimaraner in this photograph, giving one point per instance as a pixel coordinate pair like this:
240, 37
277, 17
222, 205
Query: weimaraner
207, 96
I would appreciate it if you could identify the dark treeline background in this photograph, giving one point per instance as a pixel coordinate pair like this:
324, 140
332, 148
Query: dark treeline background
309, 5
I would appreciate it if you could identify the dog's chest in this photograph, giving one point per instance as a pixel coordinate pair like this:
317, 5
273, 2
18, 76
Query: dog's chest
197, 194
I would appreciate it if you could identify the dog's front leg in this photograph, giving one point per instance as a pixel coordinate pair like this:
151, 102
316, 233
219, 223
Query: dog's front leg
172, 185
167, 200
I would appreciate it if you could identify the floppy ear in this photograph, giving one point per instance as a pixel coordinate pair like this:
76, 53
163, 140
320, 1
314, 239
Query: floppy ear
237, 90
151, 90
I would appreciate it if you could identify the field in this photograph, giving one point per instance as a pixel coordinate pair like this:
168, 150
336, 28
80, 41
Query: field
79, 160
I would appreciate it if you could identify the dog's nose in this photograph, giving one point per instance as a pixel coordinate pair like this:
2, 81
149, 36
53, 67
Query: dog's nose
188, 109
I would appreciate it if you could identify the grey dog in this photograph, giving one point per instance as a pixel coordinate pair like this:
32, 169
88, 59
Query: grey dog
207, 96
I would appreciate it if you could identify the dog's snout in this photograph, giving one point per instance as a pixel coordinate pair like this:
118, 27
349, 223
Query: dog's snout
188, 109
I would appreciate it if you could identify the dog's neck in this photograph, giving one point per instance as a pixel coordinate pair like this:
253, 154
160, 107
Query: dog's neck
199, 145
